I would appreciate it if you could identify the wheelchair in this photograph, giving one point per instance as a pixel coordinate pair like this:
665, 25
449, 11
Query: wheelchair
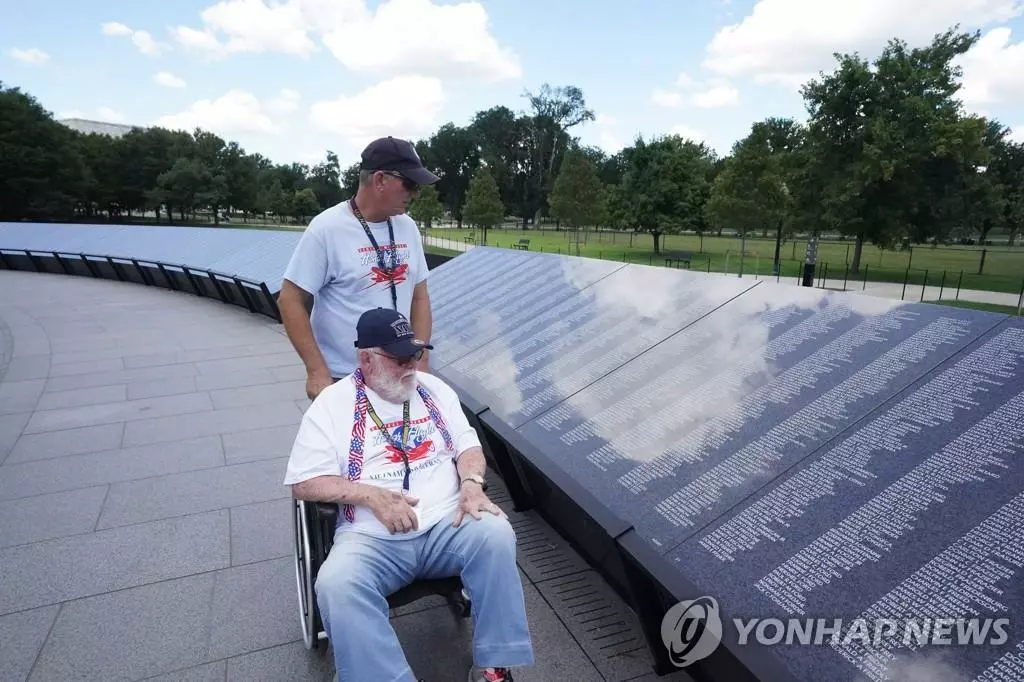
314, 524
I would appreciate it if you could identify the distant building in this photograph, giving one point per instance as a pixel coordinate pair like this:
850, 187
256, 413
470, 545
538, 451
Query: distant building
86, 126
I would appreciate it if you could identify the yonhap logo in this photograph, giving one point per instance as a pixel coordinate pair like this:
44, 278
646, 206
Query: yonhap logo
691, 630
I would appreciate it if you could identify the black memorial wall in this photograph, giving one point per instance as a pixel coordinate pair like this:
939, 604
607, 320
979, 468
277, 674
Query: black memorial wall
790, 452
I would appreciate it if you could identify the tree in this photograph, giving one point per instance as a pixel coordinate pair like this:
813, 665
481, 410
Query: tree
890, 141
752, 192
426, 208
578, 197
664, 187
483, 204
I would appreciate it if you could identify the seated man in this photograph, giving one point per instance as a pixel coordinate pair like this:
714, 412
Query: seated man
393, 448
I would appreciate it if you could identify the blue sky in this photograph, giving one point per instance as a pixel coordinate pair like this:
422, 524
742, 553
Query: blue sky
292, 78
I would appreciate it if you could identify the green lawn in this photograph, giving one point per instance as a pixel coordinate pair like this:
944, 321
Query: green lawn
1003, 268
974, 305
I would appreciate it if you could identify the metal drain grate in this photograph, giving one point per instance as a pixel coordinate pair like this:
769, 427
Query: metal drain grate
603, 625
542, 553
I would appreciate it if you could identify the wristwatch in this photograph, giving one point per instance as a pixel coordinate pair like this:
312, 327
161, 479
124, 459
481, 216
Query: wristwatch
476, 478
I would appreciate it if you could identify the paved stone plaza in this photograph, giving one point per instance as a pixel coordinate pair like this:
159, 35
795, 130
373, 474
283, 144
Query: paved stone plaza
144, 529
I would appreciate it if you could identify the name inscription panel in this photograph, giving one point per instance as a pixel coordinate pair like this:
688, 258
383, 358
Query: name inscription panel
916, 512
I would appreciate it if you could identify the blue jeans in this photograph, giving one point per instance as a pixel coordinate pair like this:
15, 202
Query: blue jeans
352, 584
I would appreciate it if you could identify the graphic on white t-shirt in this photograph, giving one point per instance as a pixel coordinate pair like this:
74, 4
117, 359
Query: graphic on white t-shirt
375, 275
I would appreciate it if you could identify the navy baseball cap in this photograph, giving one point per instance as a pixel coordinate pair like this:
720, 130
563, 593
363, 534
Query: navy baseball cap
388, 330
394, 154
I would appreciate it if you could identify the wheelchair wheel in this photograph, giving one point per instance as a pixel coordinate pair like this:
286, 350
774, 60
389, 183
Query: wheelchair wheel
304, 576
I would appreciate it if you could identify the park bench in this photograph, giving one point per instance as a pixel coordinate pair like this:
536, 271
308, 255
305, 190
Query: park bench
677, 258
523, 245
470, 238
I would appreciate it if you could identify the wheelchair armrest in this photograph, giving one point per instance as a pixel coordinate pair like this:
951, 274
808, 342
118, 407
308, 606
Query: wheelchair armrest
326, 512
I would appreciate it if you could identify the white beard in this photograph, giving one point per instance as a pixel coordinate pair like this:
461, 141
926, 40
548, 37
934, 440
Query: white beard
395, 390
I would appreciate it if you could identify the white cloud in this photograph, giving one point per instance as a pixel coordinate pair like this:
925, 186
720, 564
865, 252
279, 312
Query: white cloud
407, 106
115, 28
168, 80
787, 41
607, 134
717, 93
444, 41
991, 71
716, 97
141, 39
666, 98
108, 115
234, 112
249, 26
286, 102
1017, 134
687, 132
32, 55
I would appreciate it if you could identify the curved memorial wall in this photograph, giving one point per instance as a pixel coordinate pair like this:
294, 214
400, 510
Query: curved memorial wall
826, 476
238, 266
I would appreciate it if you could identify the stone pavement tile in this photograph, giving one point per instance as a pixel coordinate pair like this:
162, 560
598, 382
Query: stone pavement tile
173, 625
82, 565
254, 607
130, 634
11, 426
249, 446
209, 423
261, 531
164, 497
59, 400
78, 441
290, 662
27, 367
23, 479
236, 379
258, 395
88, 367
210, 672
439, 646
110, 413
45, 517
266, 361
74, 356
20, 396
160, 387
23, 635
289, 372
123, 376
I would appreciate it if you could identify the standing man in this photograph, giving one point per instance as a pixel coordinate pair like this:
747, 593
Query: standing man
360, 254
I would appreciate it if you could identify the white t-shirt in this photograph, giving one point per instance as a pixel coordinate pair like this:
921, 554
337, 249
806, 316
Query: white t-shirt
321, 448
336, 262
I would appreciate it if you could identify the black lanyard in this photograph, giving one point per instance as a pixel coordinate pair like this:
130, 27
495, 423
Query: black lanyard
380, 254
405, 437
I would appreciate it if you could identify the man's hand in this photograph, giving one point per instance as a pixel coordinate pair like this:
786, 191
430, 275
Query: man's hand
395, 510
317, 381
473, 501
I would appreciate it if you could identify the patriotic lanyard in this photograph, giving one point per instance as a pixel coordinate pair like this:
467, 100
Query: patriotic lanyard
399, 445
357, 440
380, 254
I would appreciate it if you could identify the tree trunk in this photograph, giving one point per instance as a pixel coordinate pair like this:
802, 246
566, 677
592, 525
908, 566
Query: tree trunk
657, 242
857, 249
1013, 235
776, 265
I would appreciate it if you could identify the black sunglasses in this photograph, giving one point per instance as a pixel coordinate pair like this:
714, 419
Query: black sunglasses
405, 359
408, 184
